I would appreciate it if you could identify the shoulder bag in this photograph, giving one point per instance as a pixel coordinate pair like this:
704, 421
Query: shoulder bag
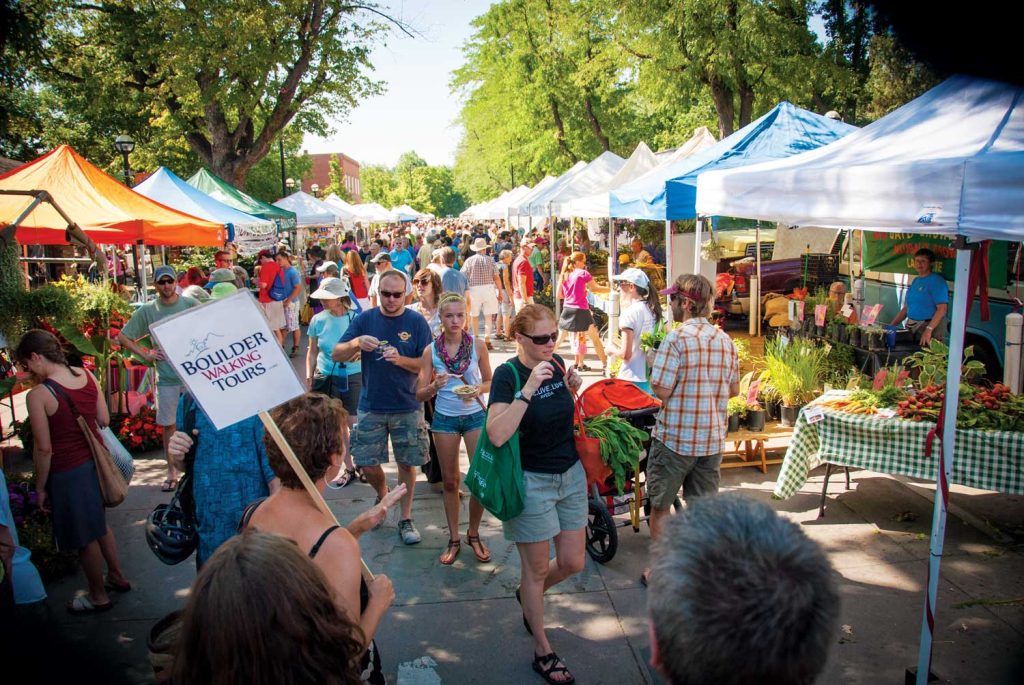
495, 477
113, 485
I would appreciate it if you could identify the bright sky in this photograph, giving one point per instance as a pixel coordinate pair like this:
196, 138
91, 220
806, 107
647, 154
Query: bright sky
416, 112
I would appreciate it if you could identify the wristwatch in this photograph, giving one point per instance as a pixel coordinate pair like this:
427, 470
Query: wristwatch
521, 397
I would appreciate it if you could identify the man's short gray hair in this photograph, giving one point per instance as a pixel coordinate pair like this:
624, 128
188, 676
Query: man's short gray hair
448, 255
738, 594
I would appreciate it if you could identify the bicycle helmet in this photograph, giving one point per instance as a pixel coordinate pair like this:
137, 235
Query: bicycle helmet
170, 533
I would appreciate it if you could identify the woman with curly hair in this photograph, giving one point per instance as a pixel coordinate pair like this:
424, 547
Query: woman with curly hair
312, 425
260, 612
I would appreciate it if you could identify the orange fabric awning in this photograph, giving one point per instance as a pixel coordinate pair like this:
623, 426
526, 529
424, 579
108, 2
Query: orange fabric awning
108, 211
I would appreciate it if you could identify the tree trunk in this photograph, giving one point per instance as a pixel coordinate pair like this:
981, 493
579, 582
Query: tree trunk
746, 105
722, 96
595, 125
556, 115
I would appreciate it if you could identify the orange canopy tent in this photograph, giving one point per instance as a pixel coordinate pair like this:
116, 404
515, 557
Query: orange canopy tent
105, 209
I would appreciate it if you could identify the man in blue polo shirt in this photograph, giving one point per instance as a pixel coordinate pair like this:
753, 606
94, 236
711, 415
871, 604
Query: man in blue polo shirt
390, 341
401, 257
927, 300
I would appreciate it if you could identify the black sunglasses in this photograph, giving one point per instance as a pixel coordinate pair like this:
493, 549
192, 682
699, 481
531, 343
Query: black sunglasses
392, 295
421, 281
165, 281
542, 339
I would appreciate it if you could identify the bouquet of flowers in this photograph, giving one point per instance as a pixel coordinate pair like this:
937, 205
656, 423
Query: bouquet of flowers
140, 433
35, 532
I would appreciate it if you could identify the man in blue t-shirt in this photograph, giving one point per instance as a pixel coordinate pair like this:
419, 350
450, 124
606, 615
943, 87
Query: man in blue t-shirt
391, 340
401, 258
927, 300
292, 291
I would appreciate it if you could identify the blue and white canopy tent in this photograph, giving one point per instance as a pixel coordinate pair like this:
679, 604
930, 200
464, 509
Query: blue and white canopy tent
950, 162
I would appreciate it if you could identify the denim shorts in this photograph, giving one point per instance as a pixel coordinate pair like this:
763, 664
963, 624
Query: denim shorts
409, 439
459, 425
667, 471
554, 502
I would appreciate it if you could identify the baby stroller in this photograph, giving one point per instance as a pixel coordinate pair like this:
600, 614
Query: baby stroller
604, 503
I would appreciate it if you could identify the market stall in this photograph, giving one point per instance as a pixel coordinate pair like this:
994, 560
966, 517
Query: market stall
950, 162
985, 459
222, 191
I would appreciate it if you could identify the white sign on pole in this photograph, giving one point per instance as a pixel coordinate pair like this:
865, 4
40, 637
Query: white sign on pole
226, 355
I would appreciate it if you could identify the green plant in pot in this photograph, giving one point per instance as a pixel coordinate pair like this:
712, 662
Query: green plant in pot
853, 334
737, 409
794, 371
875, 337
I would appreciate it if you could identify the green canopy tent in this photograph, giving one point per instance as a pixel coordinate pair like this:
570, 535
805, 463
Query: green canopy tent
222, 191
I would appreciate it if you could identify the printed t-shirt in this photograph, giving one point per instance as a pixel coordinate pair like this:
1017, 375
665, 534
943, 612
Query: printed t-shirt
150, 313
638, 318
574, 288
387, 387
521, 268
546, 443
268, 274
926, 292
328, 329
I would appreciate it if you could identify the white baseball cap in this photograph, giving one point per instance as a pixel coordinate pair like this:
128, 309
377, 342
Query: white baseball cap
635, 276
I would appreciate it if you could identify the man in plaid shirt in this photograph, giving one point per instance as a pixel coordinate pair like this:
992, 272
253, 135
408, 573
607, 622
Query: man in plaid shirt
484, 288
696, 371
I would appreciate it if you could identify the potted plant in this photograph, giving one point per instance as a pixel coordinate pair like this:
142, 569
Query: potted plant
755, 416
875, 338
737, 409
795, 371
853, 336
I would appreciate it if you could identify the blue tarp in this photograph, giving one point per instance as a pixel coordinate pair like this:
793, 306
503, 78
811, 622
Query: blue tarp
670, 192
168, 189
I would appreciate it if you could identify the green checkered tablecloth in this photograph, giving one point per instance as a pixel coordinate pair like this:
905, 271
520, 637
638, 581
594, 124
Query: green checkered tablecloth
989, 460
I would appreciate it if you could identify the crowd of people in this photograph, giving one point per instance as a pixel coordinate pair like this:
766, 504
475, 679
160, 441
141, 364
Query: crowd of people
398, 366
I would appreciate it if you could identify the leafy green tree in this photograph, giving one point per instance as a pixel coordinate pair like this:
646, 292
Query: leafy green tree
224, 77
378, 184
337, 181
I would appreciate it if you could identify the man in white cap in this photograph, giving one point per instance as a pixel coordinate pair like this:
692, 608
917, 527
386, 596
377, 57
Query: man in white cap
382, 263
484, 288
168, 385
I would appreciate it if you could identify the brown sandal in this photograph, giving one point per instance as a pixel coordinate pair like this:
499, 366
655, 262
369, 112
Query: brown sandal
451, 552
484, 555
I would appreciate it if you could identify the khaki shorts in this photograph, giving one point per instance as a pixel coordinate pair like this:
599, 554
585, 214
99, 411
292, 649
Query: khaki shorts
521, 302
668, 471
409, 439
167, 404
554, 502
275, 314
483, 297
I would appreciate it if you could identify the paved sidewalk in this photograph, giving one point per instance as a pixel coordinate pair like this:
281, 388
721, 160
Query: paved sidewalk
461, 624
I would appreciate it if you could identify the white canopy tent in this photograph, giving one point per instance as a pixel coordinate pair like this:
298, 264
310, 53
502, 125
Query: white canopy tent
309, 211
405, 213
950, 162
343, 208
589, 179
534, 203
595, 205
498, 207
371, 212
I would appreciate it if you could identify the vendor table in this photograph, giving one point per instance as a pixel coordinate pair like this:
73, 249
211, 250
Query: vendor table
988, 460
748, 447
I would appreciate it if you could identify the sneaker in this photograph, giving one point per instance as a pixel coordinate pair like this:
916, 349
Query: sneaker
407, 531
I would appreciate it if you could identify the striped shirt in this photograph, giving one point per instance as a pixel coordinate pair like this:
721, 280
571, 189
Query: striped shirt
698, 361
480, 270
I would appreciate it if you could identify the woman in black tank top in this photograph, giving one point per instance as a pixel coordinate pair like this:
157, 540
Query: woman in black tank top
306, 423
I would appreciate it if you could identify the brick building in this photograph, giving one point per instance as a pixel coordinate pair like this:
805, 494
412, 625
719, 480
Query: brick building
321, 174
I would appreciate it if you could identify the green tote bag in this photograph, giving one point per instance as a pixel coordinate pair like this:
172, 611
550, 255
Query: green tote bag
495, 477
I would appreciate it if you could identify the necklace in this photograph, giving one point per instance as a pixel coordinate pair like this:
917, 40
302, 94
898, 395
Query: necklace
458, 363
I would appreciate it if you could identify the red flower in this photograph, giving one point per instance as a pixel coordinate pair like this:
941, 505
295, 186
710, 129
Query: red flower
136, 440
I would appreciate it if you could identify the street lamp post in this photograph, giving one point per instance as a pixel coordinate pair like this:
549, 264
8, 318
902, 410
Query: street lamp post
315, 188
124, 144
289, 185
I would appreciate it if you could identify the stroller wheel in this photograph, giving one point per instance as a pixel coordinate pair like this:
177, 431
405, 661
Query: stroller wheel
602, 535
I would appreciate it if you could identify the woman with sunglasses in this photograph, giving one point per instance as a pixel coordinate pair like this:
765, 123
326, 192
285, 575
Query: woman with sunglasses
426, 284
456, 359
553, 477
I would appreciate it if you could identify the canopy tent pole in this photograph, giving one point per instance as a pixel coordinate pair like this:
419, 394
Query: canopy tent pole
696, 244
73, 233
951, 406
754, 287
140, 267
670, 276
551, 253
613, 293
